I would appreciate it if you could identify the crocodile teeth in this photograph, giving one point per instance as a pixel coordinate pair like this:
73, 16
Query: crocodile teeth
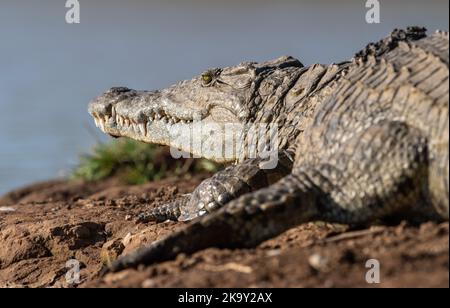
142, 129
101, 124
138, 127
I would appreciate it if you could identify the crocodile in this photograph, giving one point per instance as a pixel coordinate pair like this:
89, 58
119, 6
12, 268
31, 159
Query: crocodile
357, 142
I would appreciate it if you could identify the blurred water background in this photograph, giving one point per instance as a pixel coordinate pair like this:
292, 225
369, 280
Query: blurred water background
49, 70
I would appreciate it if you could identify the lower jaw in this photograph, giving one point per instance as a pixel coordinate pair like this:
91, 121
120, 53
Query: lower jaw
181, 149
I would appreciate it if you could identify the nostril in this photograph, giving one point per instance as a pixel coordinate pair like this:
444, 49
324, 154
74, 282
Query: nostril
118, 90
100, 107
103, 104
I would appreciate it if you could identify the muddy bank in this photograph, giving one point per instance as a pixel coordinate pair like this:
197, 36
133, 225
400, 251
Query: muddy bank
45, 225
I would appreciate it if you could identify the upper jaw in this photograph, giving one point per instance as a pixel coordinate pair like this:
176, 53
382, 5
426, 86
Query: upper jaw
117, 123
121, 111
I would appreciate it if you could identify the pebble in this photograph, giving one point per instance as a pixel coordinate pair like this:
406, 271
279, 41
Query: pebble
149, 283
318, 262
6, 209
273, 252
127, 239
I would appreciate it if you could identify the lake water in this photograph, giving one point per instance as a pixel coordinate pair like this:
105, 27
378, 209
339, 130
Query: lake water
49, 70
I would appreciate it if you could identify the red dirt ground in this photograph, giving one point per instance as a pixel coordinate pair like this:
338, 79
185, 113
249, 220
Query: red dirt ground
49, 223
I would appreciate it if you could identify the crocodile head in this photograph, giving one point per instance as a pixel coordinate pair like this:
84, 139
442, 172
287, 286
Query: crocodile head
197, 109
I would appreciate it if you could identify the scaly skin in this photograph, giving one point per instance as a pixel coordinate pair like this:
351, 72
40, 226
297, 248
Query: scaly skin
368, 138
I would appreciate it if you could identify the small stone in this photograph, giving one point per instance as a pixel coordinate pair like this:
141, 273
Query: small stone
318, 262
127, 239
273, 252
128, 217
148, 283
7, 209
111, 250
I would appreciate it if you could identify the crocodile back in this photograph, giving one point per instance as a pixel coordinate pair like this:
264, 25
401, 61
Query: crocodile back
409, 84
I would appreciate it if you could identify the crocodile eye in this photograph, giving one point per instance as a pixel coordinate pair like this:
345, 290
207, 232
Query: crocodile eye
206, 78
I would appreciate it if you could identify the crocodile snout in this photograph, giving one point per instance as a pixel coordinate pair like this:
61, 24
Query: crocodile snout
102, 105
99, 107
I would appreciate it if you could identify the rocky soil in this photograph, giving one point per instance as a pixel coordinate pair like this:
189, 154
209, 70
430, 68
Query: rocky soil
45, 225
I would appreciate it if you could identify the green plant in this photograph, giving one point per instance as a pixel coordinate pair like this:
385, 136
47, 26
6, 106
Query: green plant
135, 163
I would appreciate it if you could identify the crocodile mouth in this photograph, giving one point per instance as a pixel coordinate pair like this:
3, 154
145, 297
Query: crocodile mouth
152, 120
194, 127
119, 125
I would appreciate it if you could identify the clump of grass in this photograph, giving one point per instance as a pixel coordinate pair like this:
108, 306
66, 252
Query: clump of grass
135, 163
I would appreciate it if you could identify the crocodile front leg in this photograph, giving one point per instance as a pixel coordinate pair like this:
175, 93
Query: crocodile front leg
221, 188
243, 222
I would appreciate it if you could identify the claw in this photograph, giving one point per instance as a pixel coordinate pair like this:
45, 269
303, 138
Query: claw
188, 214
170, 211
